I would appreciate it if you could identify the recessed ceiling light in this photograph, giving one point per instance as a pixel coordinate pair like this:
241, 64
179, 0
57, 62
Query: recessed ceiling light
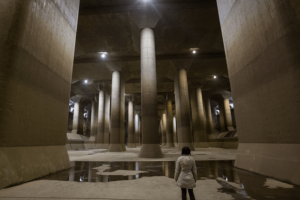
85, 81
103, 55
215, 76
194, 51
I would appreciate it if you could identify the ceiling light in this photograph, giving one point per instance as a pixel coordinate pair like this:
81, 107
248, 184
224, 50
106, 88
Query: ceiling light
215, 76
103, 55
194, 51
85, 81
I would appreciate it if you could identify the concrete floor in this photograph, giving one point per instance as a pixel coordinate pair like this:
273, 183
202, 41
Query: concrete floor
237, 184
170, 154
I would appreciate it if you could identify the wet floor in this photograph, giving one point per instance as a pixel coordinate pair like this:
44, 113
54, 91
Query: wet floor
238, 183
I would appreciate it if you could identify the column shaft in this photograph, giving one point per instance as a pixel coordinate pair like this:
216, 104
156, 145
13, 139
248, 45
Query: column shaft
150, 147
101, 112
122, 119
131, 140
209, 120
115, 119
164, 130
78, 118
137, 129
169, 125
202, 142
94, 121
185, 126
227, 113
177, 107
106, 122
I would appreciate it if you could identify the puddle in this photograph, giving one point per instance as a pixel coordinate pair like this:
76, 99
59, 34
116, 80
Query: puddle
237, 183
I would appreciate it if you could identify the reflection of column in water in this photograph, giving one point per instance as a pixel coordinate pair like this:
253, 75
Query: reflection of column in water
211, 169
105, 178
166, 170
137, 169
131, 167
90, 172
216, 167
72, 171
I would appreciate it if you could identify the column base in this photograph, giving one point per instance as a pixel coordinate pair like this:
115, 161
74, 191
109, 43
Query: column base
131, 145
115, 148
102, 146
201, 145
170, 145
123, 147
181, 145
150, 151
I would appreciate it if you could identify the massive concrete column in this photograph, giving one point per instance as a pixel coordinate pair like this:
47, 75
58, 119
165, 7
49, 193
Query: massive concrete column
115, 120
37, 45
122, 117
150, 147
101, 117
174, 130
131, 131
264, 77
177, 109
94, 120
78, 112
137, 129
209, 120
185, 124
164, 129
202, 142
169, 124
227, 115
106, 122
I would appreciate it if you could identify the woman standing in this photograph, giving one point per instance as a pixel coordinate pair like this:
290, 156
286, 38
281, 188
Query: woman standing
186, 173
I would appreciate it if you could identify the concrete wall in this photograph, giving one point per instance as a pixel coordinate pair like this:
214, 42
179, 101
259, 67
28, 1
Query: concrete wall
262, 43
37, 40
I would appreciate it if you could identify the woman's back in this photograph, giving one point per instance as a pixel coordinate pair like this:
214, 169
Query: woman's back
186, 172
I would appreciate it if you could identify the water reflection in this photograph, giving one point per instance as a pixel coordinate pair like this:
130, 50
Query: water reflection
248, 185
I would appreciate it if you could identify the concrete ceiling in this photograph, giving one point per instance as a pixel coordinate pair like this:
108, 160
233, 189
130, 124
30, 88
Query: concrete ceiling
180, 26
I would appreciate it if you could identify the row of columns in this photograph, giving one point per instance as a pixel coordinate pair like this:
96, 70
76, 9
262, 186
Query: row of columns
151, 133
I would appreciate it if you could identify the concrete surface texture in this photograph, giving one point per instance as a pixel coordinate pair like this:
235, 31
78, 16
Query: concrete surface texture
264, 76
36, 53
169, 120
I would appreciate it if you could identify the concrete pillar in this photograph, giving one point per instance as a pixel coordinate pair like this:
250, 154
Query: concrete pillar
202, 142
101, 117
185, 128
106, 122
164, 129
131, 131
150, 147
36, 52
169, 124
177, 110
115, 120
174, 130
227, 115
160, 132
122, 117
94, 121
209, 120
78, 112
196, 129
137, 129
264, 77
222, 115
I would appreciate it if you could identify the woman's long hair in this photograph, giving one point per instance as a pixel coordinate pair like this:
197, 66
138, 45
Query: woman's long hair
186, 151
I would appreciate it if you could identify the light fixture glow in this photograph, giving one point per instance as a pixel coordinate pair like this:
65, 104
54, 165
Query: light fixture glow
194, 51
103, 55
85, 81
215, 76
